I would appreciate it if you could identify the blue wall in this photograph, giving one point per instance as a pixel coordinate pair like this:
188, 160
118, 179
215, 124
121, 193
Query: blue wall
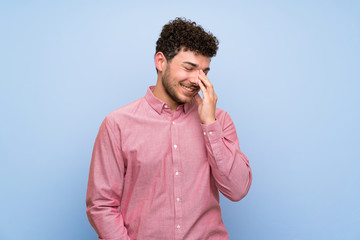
287, 72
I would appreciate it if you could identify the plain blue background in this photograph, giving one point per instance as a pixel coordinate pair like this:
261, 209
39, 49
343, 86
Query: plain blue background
286, 71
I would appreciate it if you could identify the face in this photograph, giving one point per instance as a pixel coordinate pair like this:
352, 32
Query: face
181, 76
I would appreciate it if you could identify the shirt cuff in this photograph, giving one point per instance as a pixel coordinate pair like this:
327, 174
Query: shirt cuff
212, 132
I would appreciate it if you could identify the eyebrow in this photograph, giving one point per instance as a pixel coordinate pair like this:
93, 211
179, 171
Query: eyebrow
197, 66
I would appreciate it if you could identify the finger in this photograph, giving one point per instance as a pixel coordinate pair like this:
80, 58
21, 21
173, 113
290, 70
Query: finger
205, 80
202, 87
208, 86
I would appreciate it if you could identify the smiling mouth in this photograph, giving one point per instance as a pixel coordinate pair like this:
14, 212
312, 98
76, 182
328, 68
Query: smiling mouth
190, 89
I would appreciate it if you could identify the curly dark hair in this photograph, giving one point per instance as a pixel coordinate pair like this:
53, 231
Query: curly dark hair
183, 33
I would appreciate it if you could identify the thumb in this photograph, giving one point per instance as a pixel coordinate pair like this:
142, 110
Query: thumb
198, 99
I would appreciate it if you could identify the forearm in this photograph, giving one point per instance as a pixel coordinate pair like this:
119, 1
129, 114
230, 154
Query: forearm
103, 201
106, 220
229, 166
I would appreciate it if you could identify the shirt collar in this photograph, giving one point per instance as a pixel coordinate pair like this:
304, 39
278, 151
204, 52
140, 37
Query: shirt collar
159, 105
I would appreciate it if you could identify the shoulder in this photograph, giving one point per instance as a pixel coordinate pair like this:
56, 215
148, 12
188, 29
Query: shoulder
126, 111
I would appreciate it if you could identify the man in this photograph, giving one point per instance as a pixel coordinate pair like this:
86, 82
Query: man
163, 158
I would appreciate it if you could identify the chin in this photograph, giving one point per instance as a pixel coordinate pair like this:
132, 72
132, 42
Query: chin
188, 99
181, 99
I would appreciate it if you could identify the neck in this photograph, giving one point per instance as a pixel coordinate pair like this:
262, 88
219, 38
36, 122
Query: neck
160, 93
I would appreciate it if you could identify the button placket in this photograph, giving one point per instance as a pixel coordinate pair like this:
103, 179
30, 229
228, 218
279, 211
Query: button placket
176, 152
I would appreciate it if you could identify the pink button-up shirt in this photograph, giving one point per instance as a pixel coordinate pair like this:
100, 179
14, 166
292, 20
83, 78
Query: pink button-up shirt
164, 170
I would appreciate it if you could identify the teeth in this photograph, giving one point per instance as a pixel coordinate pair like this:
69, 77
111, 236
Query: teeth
186, 88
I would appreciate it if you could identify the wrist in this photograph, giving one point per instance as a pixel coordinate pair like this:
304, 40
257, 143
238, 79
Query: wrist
209, 121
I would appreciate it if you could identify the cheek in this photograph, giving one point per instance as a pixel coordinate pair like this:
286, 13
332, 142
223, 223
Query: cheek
179, 75
183, 76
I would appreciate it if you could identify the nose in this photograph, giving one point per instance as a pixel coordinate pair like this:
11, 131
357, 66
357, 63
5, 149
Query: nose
194, 78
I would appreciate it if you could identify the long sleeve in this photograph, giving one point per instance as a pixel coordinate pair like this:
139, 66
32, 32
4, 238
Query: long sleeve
229, 166
105, 185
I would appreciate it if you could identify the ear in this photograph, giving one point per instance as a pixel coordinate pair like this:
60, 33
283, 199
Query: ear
160, 61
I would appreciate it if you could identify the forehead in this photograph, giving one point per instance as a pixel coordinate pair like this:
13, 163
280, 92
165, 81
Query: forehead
184, 57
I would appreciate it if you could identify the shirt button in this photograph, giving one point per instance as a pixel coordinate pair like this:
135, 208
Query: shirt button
178, 199
175, 146
176, 173
204, 133
173, 122
178, 226
210, 133
165, 106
